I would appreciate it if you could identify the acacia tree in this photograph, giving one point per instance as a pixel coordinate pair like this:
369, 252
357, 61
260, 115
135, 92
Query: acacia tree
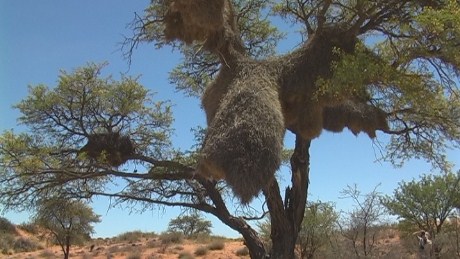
190, 225
69, 221
370, 66
426, 203
361, 225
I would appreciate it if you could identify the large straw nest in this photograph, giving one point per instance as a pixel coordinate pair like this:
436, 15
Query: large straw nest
199, 20
302, 104
245, 135
113, 148
358, 117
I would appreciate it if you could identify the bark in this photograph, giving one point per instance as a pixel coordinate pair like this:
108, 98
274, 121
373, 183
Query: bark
287, 217
67, 247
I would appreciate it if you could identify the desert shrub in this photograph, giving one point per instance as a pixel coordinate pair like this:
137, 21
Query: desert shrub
206, 238
29, 228
135, 255
201, 237
114, 249
185, 255
47, 254
26, 245
130, 236
202, 250
6, 242
178, 248
171, 237
86, 256
216, 245
7, 251
6, 227
244, 251
153, 243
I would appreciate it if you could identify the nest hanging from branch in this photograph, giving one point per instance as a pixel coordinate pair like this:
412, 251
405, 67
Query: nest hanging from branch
251, 103
113, 148
358, 117
245, 132
199, 20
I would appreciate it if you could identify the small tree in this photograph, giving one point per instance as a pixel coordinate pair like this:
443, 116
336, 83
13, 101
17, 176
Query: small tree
361, 225
318, 226
69, 221
190, 225
426, 203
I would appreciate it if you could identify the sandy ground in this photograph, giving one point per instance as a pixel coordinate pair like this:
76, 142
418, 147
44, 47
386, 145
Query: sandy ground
145, 249
154, 248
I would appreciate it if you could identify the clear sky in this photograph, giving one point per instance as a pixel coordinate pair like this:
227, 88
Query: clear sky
40, 38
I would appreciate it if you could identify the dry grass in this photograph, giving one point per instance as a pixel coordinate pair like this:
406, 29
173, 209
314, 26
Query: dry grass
245, 131
390, 245
216, 245
204, 21
200, 251
186, 255
244, 251
171, 238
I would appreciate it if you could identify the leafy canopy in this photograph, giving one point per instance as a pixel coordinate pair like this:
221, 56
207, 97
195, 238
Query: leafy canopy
426, 202
190, 225
62, 120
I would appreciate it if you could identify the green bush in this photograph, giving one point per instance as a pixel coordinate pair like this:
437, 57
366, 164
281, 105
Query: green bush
23, 244
202, 250
216, 245
171, 238
6, 227
244, 251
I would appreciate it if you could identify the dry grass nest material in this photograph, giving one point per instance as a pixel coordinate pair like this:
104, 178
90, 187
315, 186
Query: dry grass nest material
113, 147
357, 117
245, 137
198, 20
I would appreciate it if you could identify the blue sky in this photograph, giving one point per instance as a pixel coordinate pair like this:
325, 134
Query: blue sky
40, 38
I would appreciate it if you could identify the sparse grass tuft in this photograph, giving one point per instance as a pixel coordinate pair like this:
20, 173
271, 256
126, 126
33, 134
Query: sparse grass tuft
134, 255
171, 238
6, 243
244, 251
133, 236
216, 245
200, 251
185, 255
30, 228
178, 248
86, 256
26, 245
48, 254
153, 243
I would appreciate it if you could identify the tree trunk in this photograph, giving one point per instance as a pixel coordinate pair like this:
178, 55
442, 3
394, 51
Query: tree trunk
286, 218
67, 248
